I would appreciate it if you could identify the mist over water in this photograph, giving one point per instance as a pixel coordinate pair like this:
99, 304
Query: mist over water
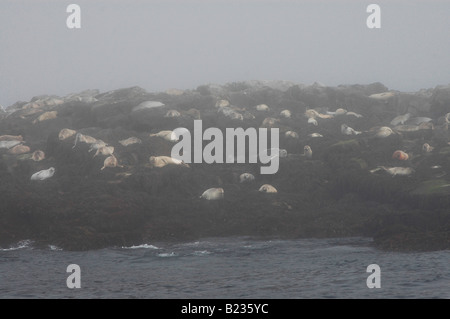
236, 267
163, 44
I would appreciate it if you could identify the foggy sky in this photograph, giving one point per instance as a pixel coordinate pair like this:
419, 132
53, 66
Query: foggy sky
185, 43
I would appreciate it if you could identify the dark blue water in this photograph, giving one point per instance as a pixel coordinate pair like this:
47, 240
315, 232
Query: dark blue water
226, 268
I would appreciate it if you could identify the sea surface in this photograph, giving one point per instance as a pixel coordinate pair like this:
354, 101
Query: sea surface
238, 267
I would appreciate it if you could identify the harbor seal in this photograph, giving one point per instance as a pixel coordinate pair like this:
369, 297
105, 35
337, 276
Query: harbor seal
46, 116
347, 130
38, 156
270, 122
400, 155
130, 141
84, 139
427, 148
172, 113
65, 133
286, 114
104, 150
110, 161
9, 144
357, 115
262, 107
382, 96
11, 138
315, 135
384, 132
312, 121
339, 111
19, 149
146, 105
307, 151
161, 161
401, 171
167, 135
246, 177
213, 194
267, 188
43, 175
291, 134
401, 119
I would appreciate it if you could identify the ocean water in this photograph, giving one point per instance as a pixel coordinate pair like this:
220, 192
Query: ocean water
238, 267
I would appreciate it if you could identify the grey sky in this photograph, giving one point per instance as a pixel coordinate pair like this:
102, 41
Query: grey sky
185, 43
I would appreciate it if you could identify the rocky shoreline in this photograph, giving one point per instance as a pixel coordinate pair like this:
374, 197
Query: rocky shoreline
344, 189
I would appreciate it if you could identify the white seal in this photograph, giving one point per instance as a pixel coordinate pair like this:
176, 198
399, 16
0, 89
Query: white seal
213, 194
43, 175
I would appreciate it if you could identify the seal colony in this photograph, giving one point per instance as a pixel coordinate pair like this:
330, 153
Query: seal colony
349, 161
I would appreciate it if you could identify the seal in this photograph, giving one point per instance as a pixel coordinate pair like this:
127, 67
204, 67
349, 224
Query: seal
161, 161
291, 134
246, 177
401, 171
146, 105
11, 138
270, 122
286, 114
339, 111
167, 135
43, 175
104, 150
262, 107
400, 155
84, 139
130, 141
312, 121
65, 133
307, 151
172, 113
110, 161
357, 115
267, 188
38, 156
347, 130
401, 119
19, 149
46, 116
382, 96
427, 148
315, 135
384, 132
213, 194
9, 144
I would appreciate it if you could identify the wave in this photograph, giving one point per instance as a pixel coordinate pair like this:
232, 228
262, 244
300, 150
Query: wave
54, 248
143, 246
20, 245
165, 255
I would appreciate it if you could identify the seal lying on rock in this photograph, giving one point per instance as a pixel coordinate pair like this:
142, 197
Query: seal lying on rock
400, 155
65, 133
104, 150
38, 156
347, 130
130, 141
110, 161
286, 114
167, 135
427, 148
307, 151
394, 171
19, 149
267, 188
9, 144
11, 138
43, 175
46, 116
213, 194
161, 161
246, 177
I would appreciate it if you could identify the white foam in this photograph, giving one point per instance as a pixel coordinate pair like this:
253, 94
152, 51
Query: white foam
20, 245
54, 248
164, 255
201, 253
143, 246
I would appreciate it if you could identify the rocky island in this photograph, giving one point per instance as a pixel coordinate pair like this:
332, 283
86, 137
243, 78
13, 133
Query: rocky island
92, 170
